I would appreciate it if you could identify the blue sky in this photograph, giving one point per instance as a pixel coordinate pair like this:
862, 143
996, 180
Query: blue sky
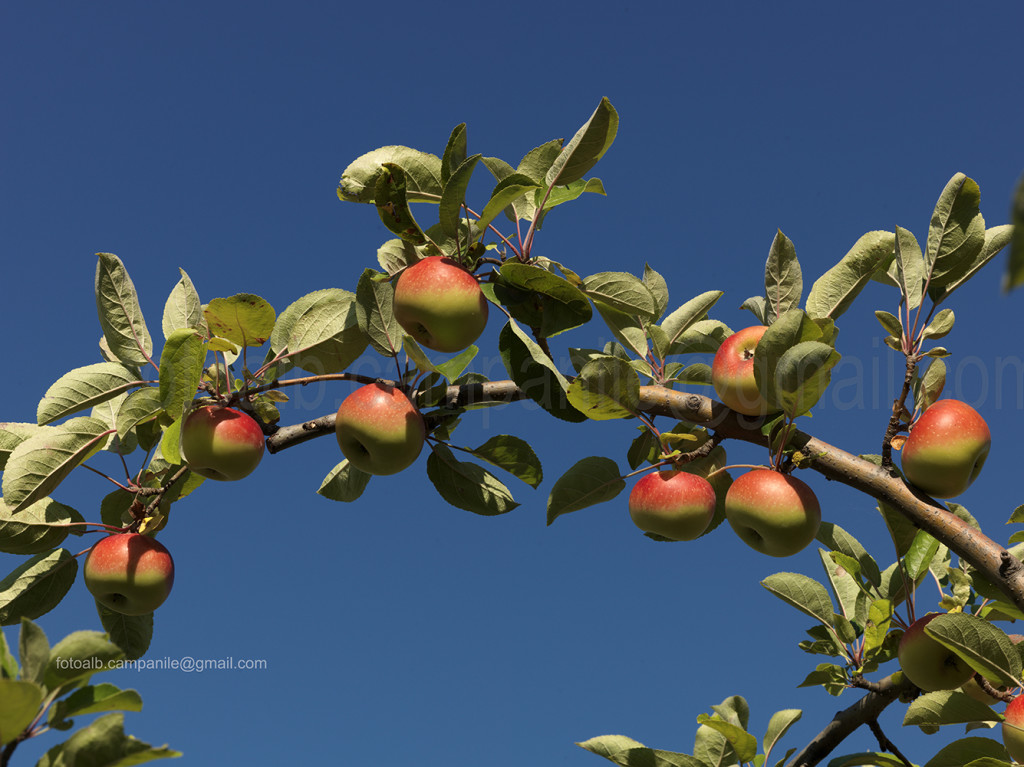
398, 630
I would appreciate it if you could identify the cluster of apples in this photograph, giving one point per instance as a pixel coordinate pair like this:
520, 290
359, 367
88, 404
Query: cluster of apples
441, 306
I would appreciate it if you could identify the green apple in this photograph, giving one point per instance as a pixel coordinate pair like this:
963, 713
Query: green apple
927, 663
129, 573
440, 304
1013, 729
773, 513
673, 504
947, 447
732, 372
379, 430
221, 443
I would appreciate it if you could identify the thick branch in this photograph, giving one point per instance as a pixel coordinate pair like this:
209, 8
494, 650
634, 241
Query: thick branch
864, 711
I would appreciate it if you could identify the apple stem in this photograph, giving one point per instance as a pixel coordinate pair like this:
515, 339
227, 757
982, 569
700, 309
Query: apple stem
716, 472
885, 744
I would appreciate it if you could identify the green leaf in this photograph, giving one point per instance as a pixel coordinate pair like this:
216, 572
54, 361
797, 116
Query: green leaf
183, 308
96, 699
758, 306
39, 464
703, 337
422, 171
627, 329
588, 482
34, 652
181, 368
467, 486
984, 647
38, 528
996, 238
867, 759
778, 726
320, 332
243, 319
687, 315
19, 705
656, 283
375, 298
623, 292
783, 280
514, 189
535, 373
81, 654
131, 633
124, 327
828, 675
837, 539
454, 195
805, 594
557, 305
833, 293
13, 434
775, 378
453, 368
801, 376
394, 255
606, 388
392, 203
584, 149
947, 707
514, 455
562, 194
956, 234
1015, 266
344, 483
141, 406
964, 751
742, 742
890, 323
940, 326
37, 586
454, 152
83, 388
910, 268
630, 753
919, 556
104, 744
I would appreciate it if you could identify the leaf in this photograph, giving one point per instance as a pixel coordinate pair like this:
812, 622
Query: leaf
375, 298
467, 486
39, 527
623, 292
344, 483
947, 707
454, 152
910, 270
124, 327
805, 594
513, 189
606, 388
13, 434
34, 651
585, 148
787, 332
514, 455
964, 751
534, 372
39, 464
956, 234
778, 726
742, 742
422, 173
694, 310
131, 633
37, 586
454, 195
140, 406
320, 332
81, 654
104, 744
183, 308
801, 376
558, 304
96, 699
588, 482
243, 319
837, 539
834, 292
627, 329
996, 238
181, 368
630, 753
890, 323
984, 647
1015, 266
19, 705
656, 283
83, 388
783, 280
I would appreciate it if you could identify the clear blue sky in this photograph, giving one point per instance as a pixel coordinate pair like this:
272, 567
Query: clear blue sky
397, 630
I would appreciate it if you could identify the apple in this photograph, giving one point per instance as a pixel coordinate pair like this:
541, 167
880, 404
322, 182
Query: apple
732, 372
947, 447
221, 443
673, 504
379, 430
440, 304
773, 513
129, 573
1013, 728
927, 663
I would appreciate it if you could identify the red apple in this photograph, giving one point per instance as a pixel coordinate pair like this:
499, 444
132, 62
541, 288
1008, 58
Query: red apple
221, 443
440, 304
732, 372
947, 447
129, 573
773, 513
379, 430
928, 663
1013, 729
672, 504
